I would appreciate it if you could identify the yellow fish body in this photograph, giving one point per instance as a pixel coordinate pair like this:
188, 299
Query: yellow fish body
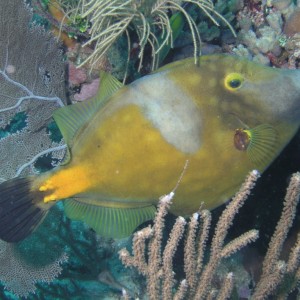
225, 116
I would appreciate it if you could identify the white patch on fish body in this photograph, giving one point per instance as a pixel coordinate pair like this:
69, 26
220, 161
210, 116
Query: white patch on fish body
169, 109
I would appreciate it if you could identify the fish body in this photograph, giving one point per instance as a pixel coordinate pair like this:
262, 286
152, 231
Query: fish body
225, 116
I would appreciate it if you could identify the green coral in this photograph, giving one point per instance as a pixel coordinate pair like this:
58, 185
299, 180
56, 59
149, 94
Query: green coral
16, 124
54, 132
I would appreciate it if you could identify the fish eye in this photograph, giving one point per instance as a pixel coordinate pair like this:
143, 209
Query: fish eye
233, 81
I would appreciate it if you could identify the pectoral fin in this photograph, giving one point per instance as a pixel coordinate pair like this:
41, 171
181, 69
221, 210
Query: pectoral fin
259, 142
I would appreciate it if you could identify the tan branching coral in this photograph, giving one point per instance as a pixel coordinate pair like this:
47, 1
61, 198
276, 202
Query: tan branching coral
158, 268
274, 270
198, 283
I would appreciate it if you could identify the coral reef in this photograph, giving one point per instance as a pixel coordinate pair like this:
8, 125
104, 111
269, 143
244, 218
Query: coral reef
268, 32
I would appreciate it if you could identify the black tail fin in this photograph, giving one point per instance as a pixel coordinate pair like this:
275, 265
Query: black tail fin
21, 209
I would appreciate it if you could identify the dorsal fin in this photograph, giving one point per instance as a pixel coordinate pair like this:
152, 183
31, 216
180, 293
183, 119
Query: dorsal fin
71, 118
108, 86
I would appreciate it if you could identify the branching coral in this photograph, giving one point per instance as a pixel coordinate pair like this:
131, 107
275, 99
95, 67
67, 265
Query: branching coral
149, 20
158, 267
278, 277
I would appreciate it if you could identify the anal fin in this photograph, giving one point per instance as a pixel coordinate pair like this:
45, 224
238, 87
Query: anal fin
109, 221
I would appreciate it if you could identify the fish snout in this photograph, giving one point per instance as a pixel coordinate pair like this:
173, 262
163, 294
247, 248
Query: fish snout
291, 97
282, 95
